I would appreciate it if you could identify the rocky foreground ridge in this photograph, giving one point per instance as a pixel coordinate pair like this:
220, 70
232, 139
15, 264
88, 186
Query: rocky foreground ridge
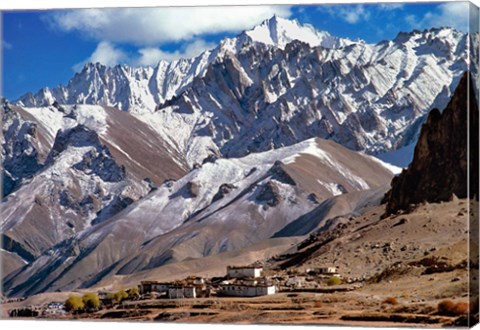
445, 161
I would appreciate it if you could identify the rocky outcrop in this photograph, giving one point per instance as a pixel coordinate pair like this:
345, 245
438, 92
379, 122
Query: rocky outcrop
21, 157
118, 204
224, 189
78, 136
193, 189
280, 174
442, 164
103, 165
269, 194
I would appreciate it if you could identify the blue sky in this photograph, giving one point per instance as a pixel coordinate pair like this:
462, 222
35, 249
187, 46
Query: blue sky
45, 48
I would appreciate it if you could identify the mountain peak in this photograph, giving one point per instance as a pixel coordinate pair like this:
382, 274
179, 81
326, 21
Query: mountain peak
275, 20
278, 31
91, 66
442, 33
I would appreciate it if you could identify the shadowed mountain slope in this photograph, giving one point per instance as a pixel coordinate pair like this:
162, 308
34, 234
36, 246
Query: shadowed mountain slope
442, 164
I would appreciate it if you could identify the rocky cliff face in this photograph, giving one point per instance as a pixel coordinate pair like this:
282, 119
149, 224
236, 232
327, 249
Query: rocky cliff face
24, 149
442, 164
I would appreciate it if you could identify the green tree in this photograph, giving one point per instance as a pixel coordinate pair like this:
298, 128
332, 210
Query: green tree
334, 280
117, 297
133, 292
74, 303
91, 300
121, 295
111, 296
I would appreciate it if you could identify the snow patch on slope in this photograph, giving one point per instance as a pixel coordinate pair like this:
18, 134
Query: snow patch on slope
313, 149
333, 188
399, 158
92, 116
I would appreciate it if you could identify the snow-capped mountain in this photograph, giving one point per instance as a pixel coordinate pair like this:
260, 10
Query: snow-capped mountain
279, 32
222, 206
79, 168
281, 83
144, 88
267, 134
366, 97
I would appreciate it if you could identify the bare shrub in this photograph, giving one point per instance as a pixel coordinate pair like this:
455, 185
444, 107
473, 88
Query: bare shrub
390, 301
448, 307
318, 304
461, 308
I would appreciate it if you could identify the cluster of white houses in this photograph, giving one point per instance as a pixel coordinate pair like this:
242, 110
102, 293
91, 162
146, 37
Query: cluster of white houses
248, 281
241, 282
245, 281
189, 288
54, 309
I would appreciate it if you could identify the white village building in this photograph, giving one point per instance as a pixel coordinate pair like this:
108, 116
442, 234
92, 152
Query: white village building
243, 290
154, 286
242, 272
182, 292
327, 270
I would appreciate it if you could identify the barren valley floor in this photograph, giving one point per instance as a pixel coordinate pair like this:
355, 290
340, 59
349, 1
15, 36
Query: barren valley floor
406, 277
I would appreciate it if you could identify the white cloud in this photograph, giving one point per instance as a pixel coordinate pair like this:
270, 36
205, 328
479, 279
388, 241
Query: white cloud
106, 54
149, 26
356, 14
151, 55
6, 45
351, 14
411, 20
110, 55
390, 6
451, 14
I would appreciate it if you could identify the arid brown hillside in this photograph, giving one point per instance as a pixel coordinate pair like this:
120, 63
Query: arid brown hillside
441, 160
